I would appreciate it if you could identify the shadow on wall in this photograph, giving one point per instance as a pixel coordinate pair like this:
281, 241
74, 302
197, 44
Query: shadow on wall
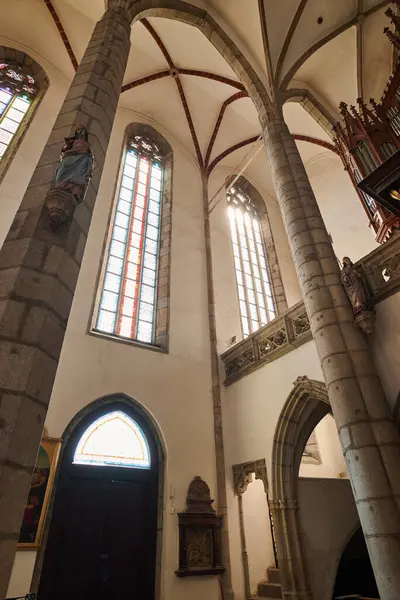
355, 575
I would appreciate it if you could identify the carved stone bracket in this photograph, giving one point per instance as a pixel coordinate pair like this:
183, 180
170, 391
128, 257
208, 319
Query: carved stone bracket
241, 479
60, 206
243, 475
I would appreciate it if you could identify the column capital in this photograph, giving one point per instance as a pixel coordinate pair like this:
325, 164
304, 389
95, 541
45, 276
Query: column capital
122, 8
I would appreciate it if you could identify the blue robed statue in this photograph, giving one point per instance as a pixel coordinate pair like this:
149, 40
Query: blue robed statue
76, 166
72, 177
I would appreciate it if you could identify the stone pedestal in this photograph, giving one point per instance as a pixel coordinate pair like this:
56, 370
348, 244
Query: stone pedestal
60, 206
39, 267
370, 441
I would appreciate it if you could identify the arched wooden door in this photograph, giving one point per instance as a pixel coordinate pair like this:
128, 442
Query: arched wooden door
102, 537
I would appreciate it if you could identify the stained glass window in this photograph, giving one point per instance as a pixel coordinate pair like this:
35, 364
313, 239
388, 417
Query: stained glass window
113, 440
128, 299
17, 91
256, 302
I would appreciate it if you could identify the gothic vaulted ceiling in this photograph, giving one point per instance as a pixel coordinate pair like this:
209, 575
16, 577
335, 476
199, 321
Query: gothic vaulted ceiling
327, 51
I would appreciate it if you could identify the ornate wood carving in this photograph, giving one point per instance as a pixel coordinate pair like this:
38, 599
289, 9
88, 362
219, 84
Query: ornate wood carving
367, 137
199, 534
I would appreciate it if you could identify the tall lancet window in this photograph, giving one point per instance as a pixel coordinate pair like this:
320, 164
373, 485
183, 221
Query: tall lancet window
256, 298
17, 91
129, 305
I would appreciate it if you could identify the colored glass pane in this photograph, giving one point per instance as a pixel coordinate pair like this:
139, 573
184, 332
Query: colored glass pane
132, 264
113, 440
13, 108
256, 304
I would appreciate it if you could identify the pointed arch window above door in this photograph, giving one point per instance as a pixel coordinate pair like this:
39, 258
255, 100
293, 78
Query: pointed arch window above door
115, 440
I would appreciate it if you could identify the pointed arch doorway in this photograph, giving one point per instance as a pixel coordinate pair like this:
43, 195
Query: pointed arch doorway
103, 532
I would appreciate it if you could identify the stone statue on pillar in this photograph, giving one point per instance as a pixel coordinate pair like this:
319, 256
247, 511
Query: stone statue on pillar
359, 296
72, 177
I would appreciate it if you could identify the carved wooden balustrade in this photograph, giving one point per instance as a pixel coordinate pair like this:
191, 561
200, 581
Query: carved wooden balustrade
381, 270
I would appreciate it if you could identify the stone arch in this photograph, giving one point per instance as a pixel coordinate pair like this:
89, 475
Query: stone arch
315, 108
200, 18
131, 403
304, 408
272, 257
18, 58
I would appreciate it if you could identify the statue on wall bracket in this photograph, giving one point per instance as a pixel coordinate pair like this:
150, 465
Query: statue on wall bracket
71, 179
199, 534
360, 297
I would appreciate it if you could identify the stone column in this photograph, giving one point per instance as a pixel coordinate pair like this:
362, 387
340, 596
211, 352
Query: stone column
216, 398
39, 267
241, 481
370, 442
291, 561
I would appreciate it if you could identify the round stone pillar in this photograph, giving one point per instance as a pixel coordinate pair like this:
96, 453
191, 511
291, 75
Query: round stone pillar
370, 441
39, 267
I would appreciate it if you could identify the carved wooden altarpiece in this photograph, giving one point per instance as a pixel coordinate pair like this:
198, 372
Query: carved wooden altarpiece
199, 534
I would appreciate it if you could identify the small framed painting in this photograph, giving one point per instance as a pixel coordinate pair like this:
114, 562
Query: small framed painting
37, 504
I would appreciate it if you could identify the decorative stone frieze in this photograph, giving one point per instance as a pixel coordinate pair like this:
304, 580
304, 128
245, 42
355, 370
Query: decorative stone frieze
381, 270
280, 336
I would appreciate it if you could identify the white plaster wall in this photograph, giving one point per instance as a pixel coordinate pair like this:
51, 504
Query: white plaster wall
328, 518
175, 388
227, 306
341, 209
22, 573
332, 459
257, 531
251, 408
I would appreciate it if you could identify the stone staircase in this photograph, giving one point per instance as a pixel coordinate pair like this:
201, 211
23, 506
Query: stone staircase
271, 587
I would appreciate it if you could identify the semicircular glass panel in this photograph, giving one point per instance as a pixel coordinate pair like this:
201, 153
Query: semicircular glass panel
113, 440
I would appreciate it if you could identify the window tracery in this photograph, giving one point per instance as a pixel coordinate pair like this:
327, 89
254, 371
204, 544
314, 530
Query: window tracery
128, 303
17, 91
255, 293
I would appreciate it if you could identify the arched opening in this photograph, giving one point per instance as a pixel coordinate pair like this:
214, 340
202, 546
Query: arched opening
355, 575
102, 539
313, 512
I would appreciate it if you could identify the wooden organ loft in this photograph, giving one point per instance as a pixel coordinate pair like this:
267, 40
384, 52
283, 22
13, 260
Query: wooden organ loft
368, 137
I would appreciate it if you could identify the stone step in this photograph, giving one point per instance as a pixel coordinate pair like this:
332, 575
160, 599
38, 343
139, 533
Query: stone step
273, 575
269, 590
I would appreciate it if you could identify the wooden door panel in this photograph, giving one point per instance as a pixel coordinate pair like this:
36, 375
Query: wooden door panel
105, 532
